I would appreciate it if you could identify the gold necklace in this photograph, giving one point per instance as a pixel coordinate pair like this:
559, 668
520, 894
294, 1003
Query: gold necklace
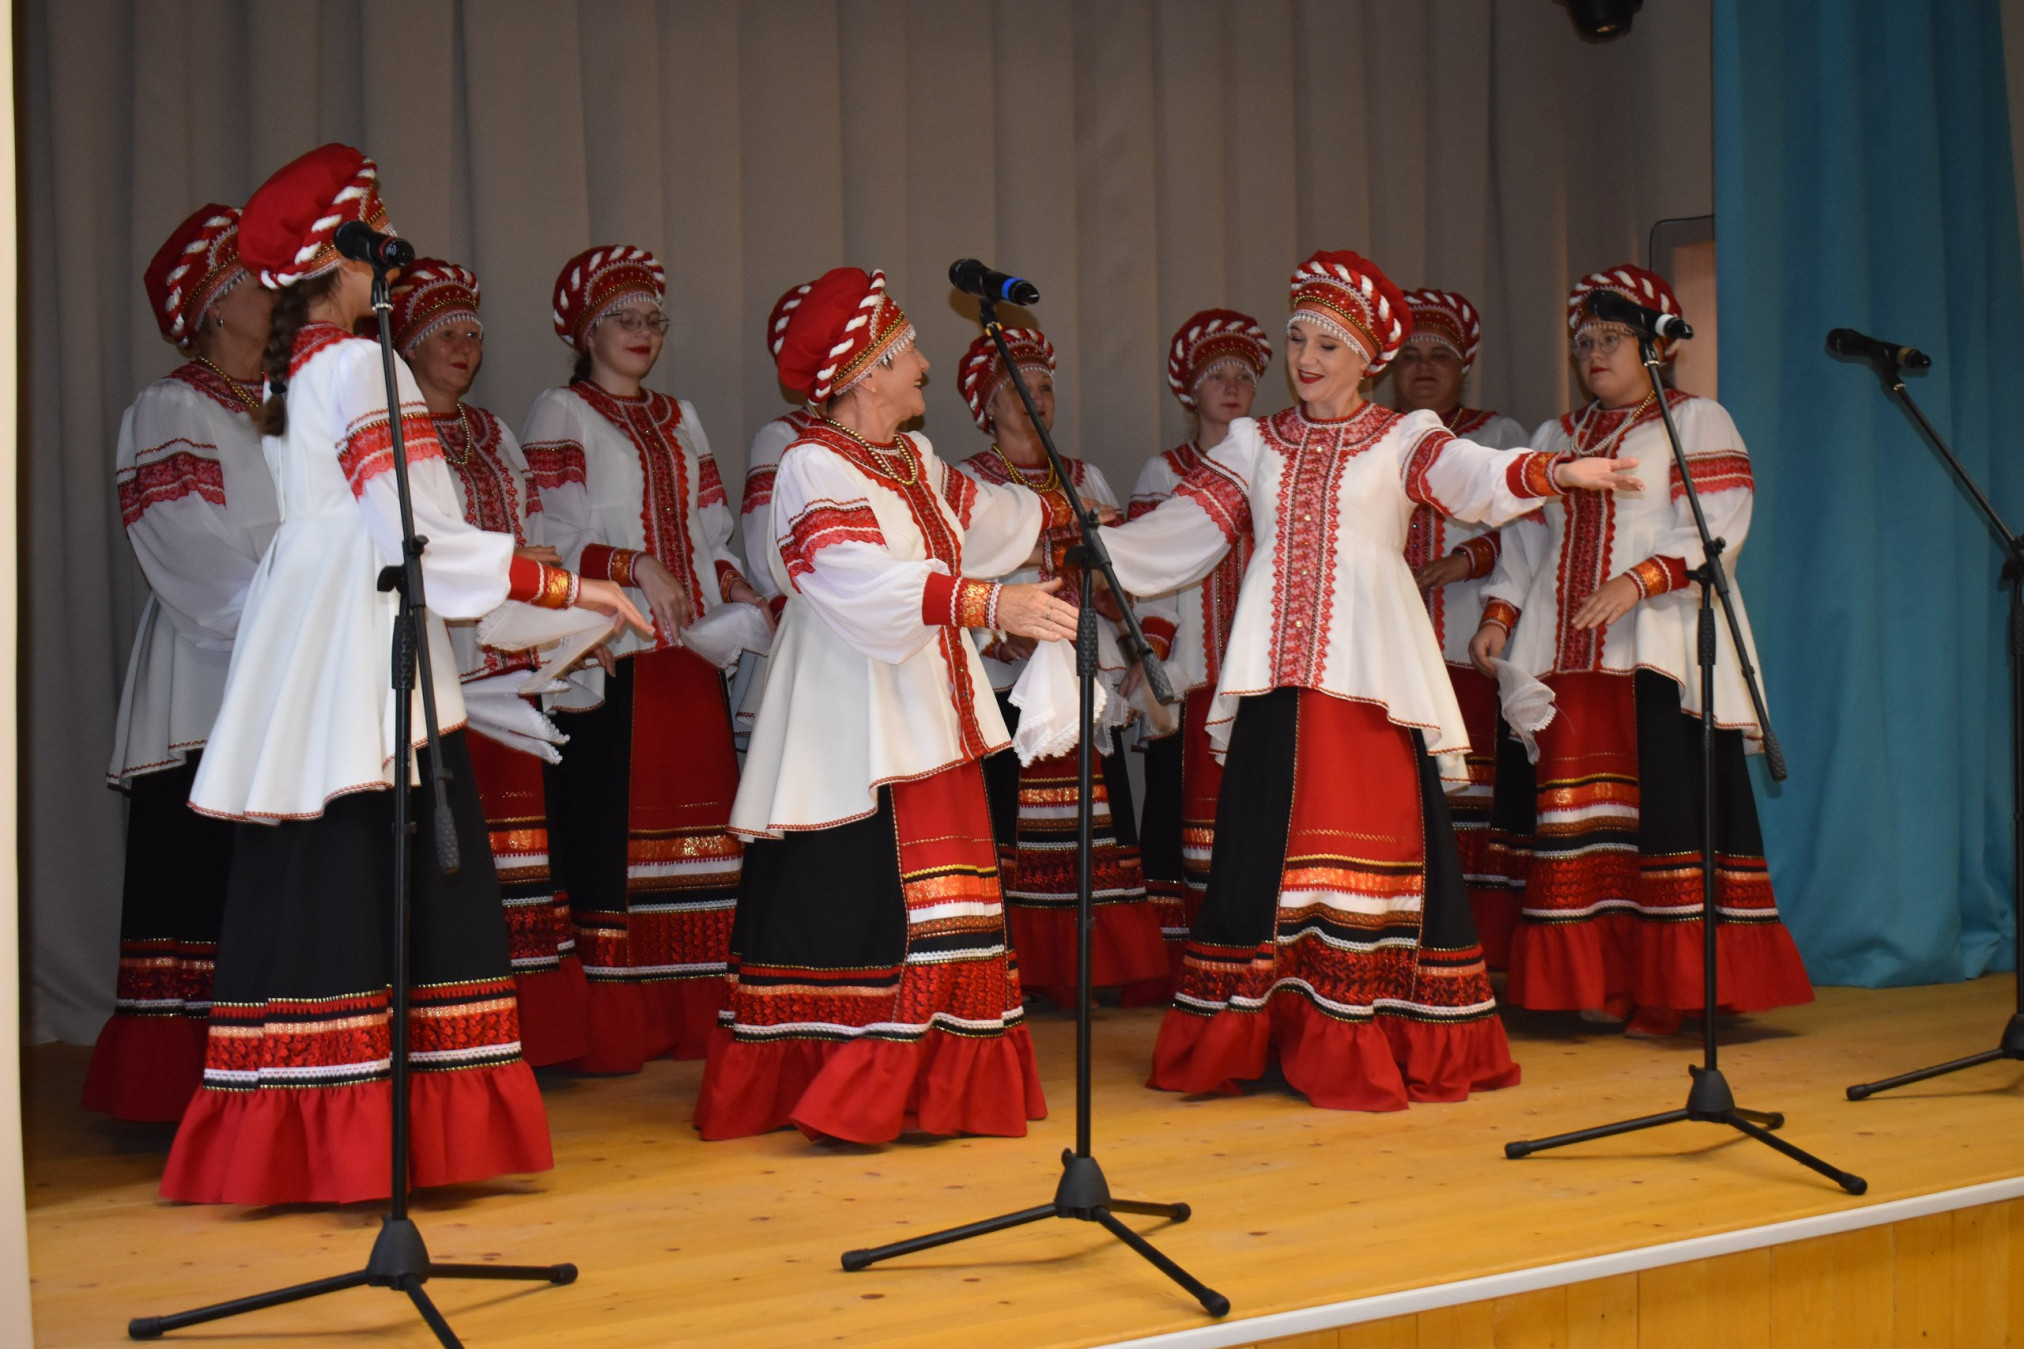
878, 455
1588, 415
1018, 474
238, 387
460, 460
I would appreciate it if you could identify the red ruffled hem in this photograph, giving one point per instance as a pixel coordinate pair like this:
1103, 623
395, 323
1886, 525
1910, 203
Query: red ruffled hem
329, 1145
554, 1014
1572, 966
145, 1069
632, 1022
1125, 947
1497, 919
871, 1091
1338, 1065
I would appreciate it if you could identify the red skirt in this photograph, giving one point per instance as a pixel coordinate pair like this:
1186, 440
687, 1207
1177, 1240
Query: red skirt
1336, 935
541, 938
1612, 909
872, 992
637, 816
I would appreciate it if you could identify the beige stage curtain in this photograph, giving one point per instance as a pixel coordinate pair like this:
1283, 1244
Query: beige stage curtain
1138, 160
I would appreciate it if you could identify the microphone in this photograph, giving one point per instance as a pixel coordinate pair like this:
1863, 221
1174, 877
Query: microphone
974, 278
354, 239
1849, 342
1615, 307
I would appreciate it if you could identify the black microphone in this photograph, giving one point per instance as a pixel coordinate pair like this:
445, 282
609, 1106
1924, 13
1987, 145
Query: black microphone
1615, 307
354, 239
1849, 342
974, 278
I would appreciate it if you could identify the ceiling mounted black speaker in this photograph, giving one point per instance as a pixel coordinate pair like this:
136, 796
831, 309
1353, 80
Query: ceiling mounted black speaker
1601, 20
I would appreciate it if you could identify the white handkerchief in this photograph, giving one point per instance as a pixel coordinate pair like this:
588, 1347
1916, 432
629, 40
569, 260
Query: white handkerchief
720, 635
1050, 704
561, 636
1527, 703
496, 710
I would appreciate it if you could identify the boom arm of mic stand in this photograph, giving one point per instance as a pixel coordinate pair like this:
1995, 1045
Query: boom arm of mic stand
1134, 642
414, 601
1717, 572
2013, 547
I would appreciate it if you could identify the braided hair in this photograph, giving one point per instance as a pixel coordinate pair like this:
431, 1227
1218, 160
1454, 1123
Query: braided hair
291, 311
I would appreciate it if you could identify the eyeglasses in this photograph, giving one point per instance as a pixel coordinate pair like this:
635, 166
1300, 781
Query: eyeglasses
472, 334
1604, 343
632, 321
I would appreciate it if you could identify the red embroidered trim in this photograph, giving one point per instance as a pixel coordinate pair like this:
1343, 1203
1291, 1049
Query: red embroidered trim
491, 490
823, 523
1501, 612
975, 604
1470, 419
1530, 475
1657, 575
1482, 551
1217, 493
206, 382
1719, 471
1309, 506
312, 338
758, 489
169, 477
710, 484
552, 464
369, 444
960, 491
652, 422
1419, 463
726, 574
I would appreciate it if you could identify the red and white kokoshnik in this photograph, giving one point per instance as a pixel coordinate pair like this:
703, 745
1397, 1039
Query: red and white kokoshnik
429, 294
599, 280
1209, 339
1349, 296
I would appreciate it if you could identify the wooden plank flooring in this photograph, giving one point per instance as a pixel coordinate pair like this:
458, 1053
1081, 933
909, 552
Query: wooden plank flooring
736, 1243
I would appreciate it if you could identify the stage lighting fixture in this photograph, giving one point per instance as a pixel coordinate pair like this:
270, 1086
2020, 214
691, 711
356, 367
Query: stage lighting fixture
1601, 20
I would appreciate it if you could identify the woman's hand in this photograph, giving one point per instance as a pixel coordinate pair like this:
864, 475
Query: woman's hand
1012, 650
740, 591
1487, 645
1612, 600
664, 595
1597, 475
1107, 515
1034, 611
1442, 571
607, 597
539, 552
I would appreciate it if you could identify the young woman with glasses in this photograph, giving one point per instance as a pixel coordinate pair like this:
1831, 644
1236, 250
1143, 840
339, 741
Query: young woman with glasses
622, 484
1592, 596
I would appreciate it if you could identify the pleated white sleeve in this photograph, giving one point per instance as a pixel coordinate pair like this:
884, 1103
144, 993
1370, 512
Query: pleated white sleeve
1471, 482
1721, 471
1181, 540
464, 569
172, 498
714, 520
551, 440
835, 552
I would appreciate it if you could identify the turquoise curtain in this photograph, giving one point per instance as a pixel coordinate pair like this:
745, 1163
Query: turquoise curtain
1863, 179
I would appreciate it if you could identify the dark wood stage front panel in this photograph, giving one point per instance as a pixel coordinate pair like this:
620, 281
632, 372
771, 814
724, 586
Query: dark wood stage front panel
736, 1243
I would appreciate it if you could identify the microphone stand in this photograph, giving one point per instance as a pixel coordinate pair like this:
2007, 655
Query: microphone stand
399, 1259
2011, 1044
1083, 1195
1709, 1099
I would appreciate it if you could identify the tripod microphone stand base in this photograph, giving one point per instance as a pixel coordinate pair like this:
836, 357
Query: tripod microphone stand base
2011, 1048
1083, 1196
1709, 1101
399, 1260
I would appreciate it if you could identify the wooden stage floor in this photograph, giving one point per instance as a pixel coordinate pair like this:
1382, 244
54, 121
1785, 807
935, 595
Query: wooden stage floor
737, 1243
